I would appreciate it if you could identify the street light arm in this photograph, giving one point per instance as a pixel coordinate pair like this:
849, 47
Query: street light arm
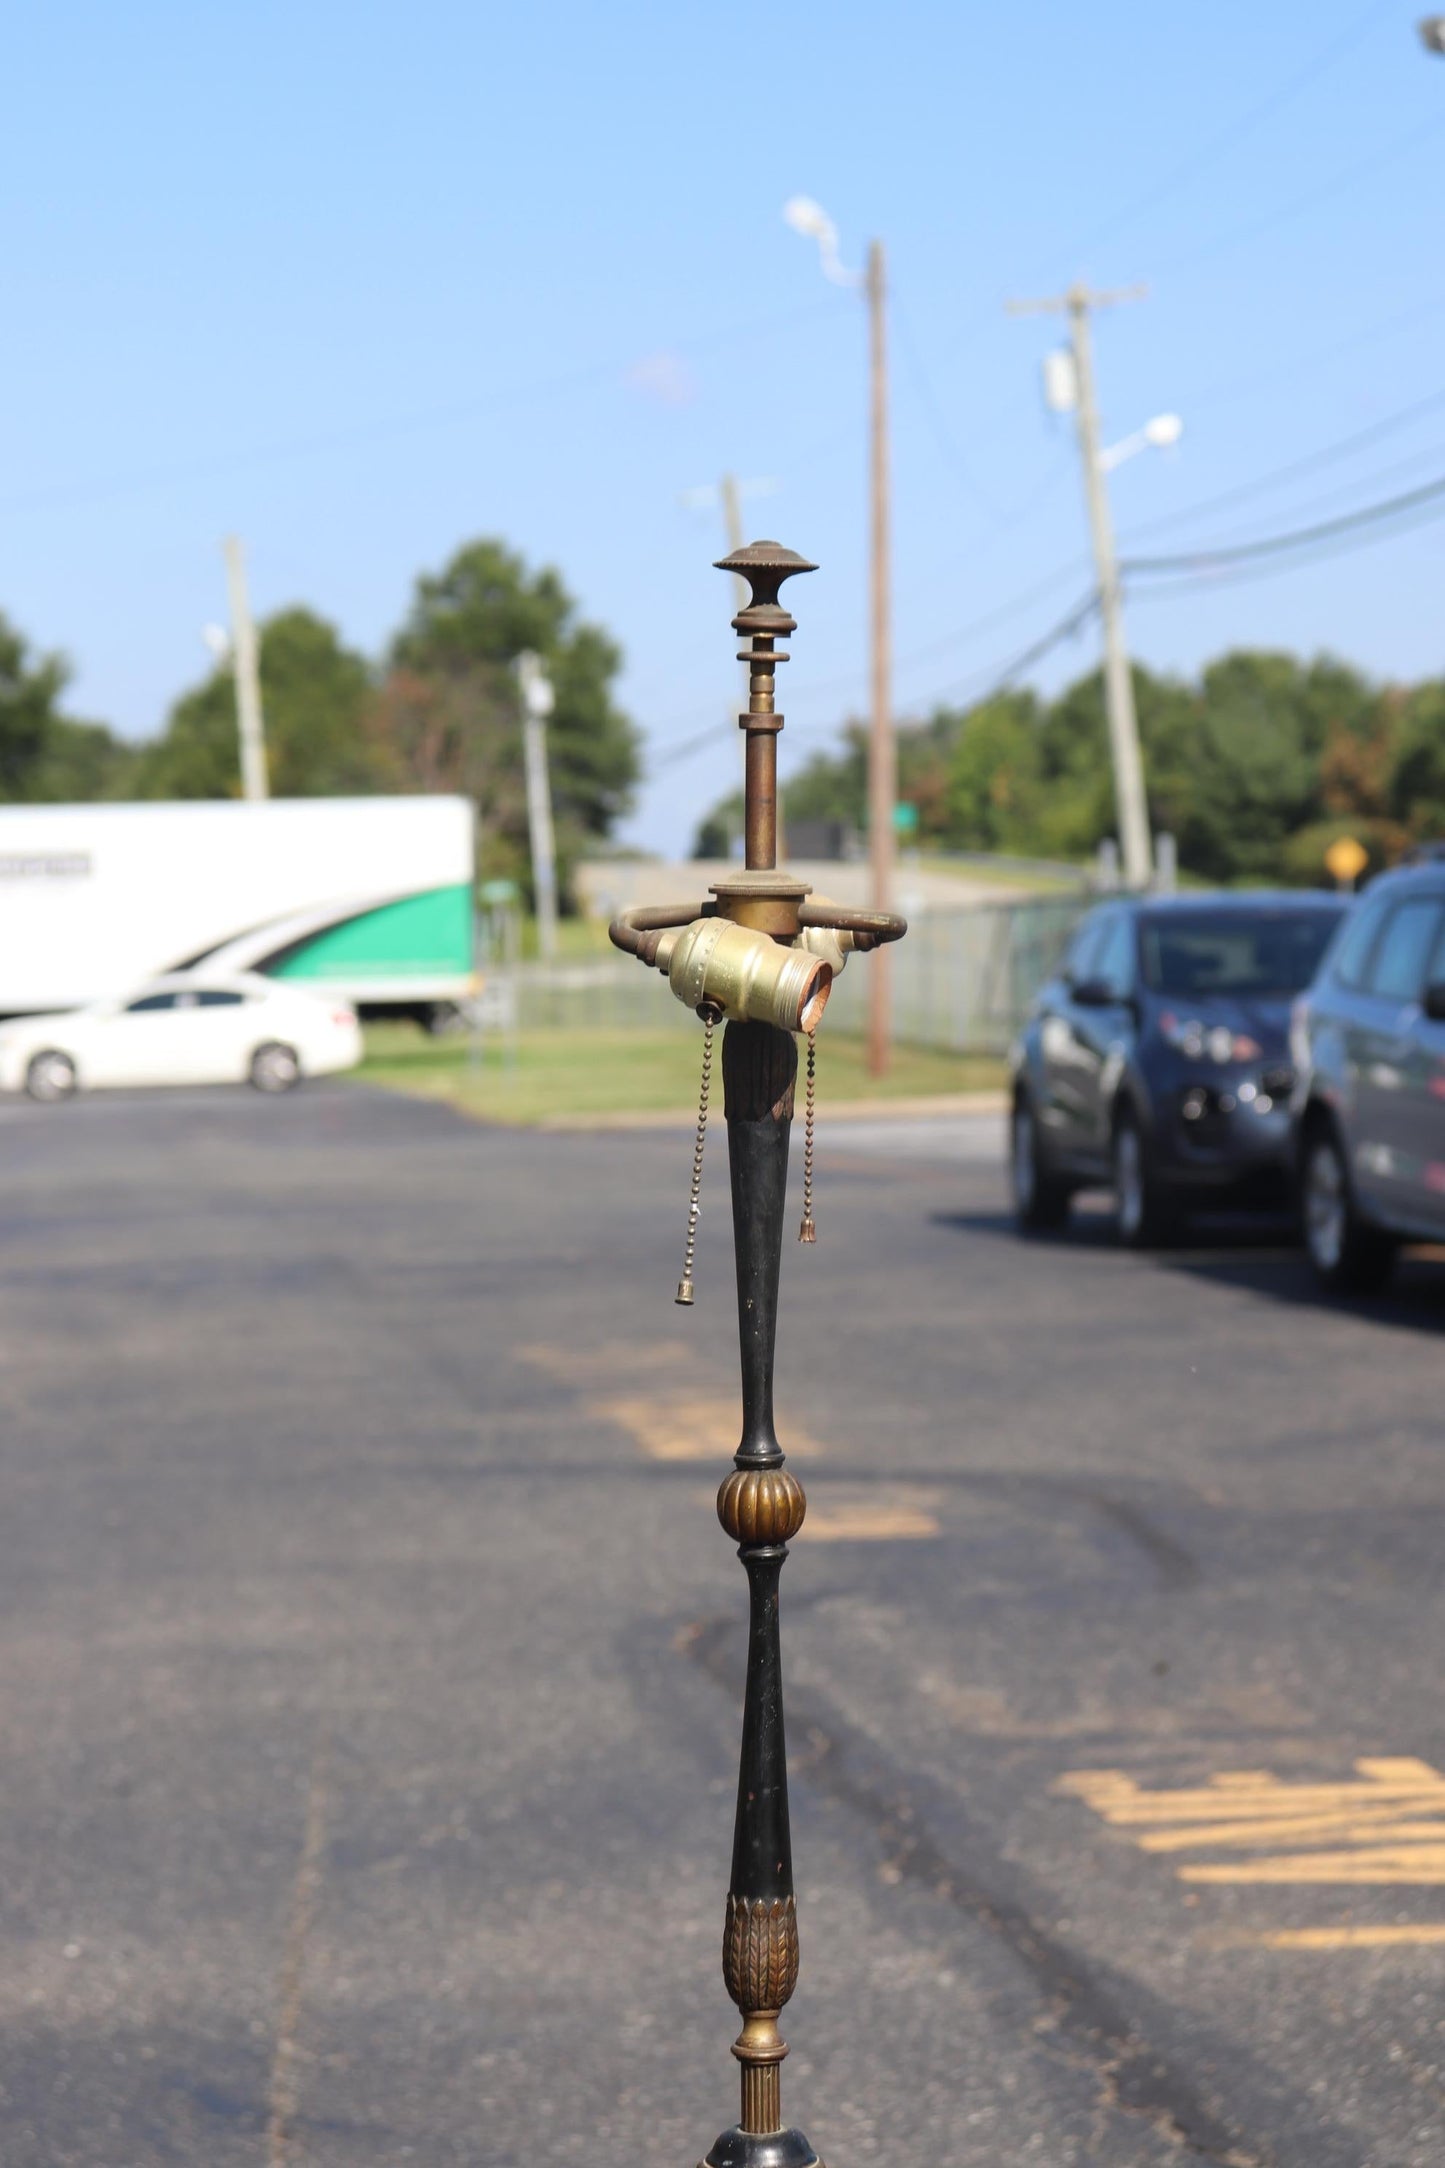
812, 221
1162, 431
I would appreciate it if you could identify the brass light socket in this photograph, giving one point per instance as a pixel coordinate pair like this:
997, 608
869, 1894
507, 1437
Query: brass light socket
750, 977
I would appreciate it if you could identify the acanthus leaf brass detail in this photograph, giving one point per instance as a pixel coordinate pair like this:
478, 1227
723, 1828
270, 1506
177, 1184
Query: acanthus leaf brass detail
760, 1954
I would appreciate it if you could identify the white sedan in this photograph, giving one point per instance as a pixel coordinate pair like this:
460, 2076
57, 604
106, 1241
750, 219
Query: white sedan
182, 1030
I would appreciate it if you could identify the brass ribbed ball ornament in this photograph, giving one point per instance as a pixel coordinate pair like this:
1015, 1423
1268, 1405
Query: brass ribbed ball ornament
763, 956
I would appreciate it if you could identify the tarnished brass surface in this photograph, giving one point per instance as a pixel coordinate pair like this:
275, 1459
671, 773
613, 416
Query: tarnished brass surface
761, 1505
762, 2094
760, 1954
748, 975
765, 566
768, 900
876, 926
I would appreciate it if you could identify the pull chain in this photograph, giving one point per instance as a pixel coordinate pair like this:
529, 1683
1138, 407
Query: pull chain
709, 1012
808, 1232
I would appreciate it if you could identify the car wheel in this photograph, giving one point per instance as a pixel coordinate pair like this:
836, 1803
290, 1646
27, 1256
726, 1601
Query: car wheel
50, 1076
1040, 1199
1348, 1256
275, 1068
1142, 1216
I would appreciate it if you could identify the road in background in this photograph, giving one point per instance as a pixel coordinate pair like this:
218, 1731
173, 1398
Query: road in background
371, 1660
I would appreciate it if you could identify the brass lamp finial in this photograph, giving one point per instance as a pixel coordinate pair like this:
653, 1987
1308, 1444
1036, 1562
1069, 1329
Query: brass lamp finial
765, 566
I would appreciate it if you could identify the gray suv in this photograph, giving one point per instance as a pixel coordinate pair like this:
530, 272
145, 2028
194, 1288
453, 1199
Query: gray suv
1368, 1107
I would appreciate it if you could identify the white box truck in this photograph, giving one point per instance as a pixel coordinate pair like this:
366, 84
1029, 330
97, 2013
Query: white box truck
369, 899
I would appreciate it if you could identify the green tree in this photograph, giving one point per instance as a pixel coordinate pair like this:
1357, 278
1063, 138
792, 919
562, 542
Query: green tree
448, 716
315, 697
995, 775
1417, 779
30, 689
47, 757
83, 763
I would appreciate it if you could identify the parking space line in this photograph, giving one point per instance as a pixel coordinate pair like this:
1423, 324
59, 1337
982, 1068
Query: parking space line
904, 1516
674, 1421
1388, 1826
1423, 1936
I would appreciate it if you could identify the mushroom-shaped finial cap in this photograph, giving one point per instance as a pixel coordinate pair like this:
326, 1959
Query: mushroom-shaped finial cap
765, 566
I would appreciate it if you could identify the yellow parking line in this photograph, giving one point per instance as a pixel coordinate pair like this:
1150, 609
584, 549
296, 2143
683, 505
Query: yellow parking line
672, 1421
1384, 1866
686, 1426
905, 1517
1348, 1938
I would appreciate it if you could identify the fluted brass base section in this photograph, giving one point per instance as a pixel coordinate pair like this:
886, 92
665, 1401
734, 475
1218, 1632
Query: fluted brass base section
762, 2099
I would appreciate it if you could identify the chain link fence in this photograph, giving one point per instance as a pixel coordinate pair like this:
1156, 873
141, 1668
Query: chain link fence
962, 980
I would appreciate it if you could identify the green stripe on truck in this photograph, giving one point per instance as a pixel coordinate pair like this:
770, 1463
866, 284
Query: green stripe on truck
429, 933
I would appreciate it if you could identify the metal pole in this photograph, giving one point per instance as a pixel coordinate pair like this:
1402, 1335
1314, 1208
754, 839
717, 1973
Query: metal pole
1133, 808
882, 755
250, 728
537, 704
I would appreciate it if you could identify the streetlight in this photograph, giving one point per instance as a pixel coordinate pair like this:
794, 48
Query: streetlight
1160, 435
538, 701
812, 221
1069, 389
250, 723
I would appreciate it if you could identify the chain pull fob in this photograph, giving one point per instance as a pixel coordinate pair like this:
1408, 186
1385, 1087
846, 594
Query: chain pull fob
710, 1014
808, 1232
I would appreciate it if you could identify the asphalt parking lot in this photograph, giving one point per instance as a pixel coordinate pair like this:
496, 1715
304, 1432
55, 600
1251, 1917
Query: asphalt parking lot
371, 1660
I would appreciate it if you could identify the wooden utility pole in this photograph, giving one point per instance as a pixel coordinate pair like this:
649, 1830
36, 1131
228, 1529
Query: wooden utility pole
538, 700
250, 728
882, 754
1131, 802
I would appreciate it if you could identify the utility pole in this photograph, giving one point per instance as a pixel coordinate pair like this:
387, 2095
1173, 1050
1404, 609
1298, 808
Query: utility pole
1129, 796
538, 700
882, 753
250, 728
812, 221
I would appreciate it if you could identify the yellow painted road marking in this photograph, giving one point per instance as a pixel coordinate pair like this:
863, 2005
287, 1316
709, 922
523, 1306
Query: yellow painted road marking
672, 1421
904, 1516
1384, 1866
1347, 1938
1391, 1820
688, 1426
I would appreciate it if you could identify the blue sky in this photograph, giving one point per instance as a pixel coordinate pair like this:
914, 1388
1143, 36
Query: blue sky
362, 282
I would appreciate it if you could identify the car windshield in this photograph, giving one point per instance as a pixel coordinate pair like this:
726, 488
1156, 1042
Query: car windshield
1234, 953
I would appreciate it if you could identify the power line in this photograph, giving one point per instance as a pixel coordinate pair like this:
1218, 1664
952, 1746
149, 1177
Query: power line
1240, 387
1326, 456
1244, 125
923, 385
369, 432
1176, 573
1077, 618
1369, 515
1360, 170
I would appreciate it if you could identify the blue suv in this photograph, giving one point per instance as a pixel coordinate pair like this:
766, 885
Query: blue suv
1368, 1106
1157, 1058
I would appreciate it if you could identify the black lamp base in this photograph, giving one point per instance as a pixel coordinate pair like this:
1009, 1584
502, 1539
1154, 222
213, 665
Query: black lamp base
739, 2148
